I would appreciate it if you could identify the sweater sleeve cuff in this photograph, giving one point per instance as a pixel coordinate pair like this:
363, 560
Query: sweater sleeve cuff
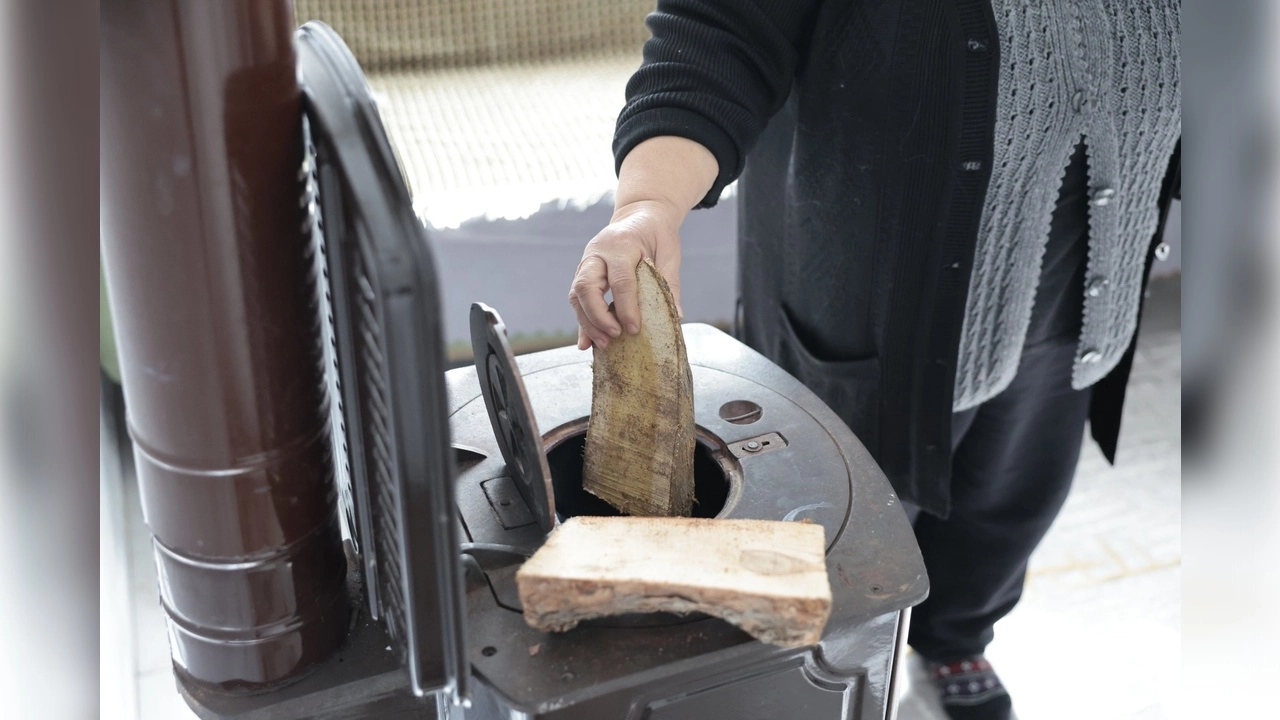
686, 124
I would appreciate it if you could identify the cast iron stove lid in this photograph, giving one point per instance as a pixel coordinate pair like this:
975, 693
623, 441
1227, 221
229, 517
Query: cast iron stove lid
514, 424
390, 362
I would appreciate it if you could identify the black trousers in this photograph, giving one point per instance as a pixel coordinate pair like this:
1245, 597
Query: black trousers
1012, 464
1013, 457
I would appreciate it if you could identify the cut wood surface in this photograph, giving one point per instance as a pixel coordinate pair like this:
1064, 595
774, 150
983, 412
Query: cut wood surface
767, 577
641, 436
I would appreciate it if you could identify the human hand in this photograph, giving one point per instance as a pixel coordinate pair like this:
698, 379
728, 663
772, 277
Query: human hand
638, 230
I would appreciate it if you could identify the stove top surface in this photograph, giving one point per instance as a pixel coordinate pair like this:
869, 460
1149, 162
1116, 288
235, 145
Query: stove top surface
768, 449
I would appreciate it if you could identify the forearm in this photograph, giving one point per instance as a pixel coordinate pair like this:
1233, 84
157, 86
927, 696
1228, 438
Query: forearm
669, 170
714, 72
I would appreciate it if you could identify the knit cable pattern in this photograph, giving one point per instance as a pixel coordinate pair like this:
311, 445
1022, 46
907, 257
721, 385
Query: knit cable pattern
1106, 71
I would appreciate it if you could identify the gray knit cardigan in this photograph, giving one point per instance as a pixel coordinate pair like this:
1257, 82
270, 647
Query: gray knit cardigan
1107, 71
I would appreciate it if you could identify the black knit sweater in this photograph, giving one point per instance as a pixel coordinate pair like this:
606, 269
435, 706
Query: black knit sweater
863, 134
715, 73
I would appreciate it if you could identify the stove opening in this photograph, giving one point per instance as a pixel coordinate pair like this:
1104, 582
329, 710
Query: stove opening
564, 457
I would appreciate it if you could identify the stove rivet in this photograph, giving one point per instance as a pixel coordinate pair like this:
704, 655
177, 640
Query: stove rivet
753, 446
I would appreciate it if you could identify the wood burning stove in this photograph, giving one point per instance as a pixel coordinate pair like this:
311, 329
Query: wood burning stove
456, 477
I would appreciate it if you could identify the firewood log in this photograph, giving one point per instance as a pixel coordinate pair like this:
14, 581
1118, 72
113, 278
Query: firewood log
767, 577
641, 436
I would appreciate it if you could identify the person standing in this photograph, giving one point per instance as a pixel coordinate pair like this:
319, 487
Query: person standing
948, 212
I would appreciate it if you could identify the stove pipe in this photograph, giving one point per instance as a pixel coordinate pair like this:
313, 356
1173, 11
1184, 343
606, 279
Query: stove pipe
210, 274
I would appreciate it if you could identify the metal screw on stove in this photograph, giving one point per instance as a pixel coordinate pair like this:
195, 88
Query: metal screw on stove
752, 446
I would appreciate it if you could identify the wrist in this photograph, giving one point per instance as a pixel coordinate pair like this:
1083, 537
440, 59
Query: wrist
668, 173
658, 208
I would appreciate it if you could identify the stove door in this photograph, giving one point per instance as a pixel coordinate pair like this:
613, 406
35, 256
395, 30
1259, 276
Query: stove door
511, 414
390, 359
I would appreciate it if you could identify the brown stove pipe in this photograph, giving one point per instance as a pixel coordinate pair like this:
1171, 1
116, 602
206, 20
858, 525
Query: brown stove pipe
211, 283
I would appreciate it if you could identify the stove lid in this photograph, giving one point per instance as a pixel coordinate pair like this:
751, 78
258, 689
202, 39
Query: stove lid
512, 416
390, 360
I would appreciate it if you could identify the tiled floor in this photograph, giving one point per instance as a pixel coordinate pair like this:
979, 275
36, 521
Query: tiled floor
1096, 635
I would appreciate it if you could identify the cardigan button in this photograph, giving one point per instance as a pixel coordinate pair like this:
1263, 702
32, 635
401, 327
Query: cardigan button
1090, 357
1096, 286
971, 165
1079, 101
1162, 251
977, 46
1101, 197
